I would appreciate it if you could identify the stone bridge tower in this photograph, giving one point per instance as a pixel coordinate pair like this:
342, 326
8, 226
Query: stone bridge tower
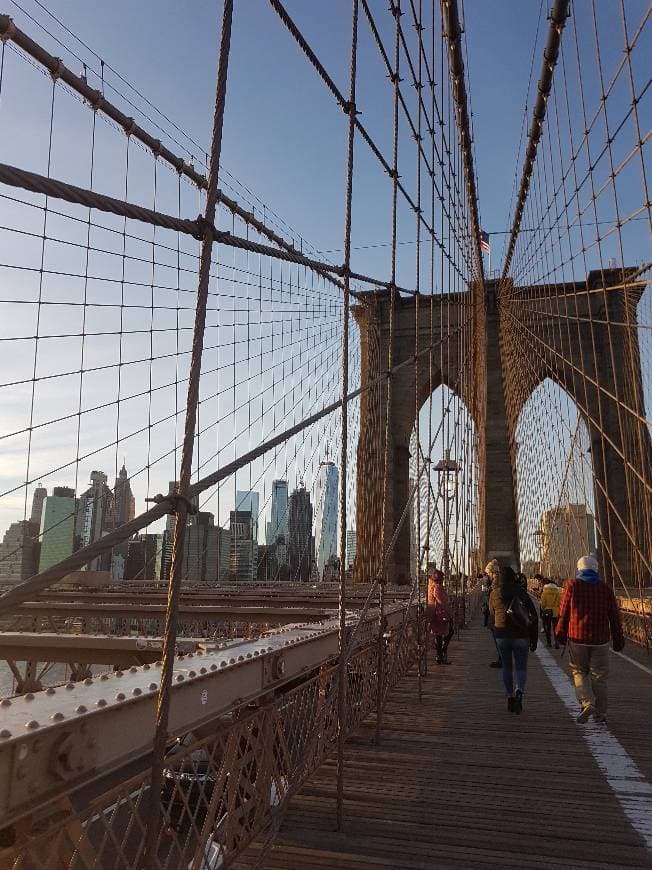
591, 370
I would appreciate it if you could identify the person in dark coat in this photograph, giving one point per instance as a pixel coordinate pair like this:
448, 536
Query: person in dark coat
516, 628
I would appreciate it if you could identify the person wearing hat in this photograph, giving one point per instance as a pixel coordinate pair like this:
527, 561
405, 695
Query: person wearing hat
588, 619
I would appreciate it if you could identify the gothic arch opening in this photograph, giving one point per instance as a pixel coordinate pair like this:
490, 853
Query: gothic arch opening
444, 517
555, 491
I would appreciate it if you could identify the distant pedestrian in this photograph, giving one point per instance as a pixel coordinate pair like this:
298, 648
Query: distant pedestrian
588, 618
492, 572
516, 628
549, 604
486, 589
439, 616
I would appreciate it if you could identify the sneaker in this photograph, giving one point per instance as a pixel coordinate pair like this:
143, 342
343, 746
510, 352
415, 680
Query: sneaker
497, 664
518, 701
510, 704
585, 712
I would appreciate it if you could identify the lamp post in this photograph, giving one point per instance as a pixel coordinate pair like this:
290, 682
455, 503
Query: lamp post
447, 466
539, 535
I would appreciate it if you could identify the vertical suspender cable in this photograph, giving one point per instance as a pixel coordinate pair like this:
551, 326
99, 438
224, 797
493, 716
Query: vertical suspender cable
182, 503
341, 695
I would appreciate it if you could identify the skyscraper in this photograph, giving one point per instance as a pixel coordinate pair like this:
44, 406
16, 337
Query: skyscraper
278, 520
19, 552
326, 518
351, 547
124, 503
568, 533
247, 500
168, 534
38, 498
141, 562
243, 548
57, 527
95, 512
300, 540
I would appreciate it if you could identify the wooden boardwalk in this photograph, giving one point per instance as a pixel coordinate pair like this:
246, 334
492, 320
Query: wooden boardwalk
458, 782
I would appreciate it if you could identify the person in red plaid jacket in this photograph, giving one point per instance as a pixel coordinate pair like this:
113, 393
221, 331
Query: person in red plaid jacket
588, 619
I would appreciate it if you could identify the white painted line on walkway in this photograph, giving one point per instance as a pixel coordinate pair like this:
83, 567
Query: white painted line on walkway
625, 779
633, 662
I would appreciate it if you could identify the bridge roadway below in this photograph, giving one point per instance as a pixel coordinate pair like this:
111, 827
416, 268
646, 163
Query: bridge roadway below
458, 782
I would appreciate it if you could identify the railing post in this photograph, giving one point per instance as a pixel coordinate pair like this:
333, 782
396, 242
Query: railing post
182, 503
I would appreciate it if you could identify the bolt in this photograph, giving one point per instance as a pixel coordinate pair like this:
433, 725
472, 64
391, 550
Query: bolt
57, 717
32, 724
4, 734
179, 678
70, 686
104, 677
152, 687
50, 691
88, 681
120, 696
133, 670
136, 691
5, 703
81, 709
29, 696
100, 702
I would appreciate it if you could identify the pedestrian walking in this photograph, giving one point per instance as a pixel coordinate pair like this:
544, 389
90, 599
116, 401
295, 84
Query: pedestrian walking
492, 571
549, 609
516, 628
588, 619
486, 589
439, 616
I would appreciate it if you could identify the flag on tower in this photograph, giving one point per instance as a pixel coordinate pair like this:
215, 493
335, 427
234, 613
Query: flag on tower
484, 241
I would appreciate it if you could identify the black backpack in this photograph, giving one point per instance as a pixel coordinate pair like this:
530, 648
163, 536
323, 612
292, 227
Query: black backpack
519, 613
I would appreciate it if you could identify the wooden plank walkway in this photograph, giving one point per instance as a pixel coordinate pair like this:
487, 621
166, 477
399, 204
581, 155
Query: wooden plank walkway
458, 782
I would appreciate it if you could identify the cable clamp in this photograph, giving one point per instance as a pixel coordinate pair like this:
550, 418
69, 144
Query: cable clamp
8, 28
95, 100
58, 67
128, 126
174, 500
349, 107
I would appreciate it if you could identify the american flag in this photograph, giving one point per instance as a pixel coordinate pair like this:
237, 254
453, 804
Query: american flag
484, 241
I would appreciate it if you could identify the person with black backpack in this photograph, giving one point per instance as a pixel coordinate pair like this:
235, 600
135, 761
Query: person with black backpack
516, 628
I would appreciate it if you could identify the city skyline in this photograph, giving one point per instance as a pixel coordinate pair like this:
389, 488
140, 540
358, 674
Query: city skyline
70, 522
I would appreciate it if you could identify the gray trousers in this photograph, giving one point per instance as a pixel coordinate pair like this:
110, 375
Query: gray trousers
589, 664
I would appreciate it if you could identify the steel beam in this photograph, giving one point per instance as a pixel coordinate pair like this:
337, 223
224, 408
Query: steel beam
55, 741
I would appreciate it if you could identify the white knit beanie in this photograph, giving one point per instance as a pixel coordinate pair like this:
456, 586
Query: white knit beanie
587, 563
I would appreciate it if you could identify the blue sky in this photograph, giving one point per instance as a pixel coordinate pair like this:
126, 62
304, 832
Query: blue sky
284, 140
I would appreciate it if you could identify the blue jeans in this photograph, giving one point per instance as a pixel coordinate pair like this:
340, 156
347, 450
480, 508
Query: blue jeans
518, 648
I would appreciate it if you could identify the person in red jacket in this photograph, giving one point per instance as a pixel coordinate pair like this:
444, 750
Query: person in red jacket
588, 619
